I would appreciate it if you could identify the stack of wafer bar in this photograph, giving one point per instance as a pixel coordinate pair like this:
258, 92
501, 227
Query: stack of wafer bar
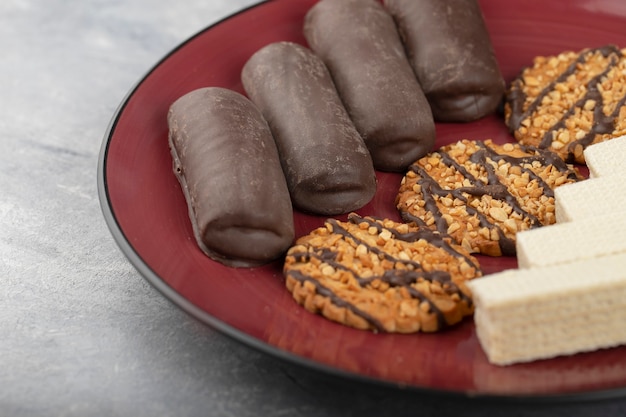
569, 293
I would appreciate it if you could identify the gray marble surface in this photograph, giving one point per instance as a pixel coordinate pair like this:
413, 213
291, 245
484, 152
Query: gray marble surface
82, 333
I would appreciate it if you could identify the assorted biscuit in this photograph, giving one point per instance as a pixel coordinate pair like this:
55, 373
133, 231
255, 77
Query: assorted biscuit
348, 112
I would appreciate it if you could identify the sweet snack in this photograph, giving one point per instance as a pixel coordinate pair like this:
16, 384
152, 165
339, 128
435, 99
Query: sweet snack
481, 194
451, 53
594, 197
226, 162
569, 101
328, 167
606, 158
359, 42
528, 314
381, 275
592, 237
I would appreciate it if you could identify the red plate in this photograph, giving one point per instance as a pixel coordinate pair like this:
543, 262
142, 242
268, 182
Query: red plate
146, 212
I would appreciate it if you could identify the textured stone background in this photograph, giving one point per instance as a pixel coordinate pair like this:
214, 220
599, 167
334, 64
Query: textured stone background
81, 333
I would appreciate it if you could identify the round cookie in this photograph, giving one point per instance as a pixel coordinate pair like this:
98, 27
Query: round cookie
569, 101
481, 194
381, 275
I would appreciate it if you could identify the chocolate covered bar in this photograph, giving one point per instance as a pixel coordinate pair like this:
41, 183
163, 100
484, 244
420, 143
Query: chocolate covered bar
450, 50
359, 42
326, 163
227, 164
524, 315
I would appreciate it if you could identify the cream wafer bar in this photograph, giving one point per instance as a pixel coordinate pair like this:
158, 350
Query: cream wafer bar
594, 197
594, 237
523, 315
606, 158
553, 340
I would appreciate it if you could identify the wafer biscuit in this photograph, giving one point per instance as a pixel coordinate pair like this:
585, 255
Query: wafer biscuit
594, 197
606, 158
593, 237
569, 101
529, 314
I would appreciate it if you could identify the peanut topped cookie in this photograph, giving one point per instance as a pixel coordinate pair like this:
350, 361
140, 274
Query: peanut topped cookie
569, 101
381, 275
481, 194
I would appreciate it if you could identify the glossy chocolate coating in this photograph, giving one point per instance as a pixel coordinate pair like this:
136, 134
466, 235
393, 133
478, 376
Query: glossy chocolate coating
359, 42
327, 165
227, 164
450, 50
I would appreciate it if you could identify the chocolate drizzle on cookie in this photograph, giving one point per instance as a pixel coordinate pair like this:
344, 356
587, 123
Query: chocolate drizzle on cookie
487, 158
405, 274
422, 233
602, 124
337, 300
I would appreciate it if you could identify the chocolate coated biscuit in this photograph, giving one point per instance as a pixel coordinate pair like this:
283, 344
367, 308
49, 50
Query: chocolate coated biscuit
481, 194
569, 101
381, 275
450, 50
226, 161
359, 42
328, 167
